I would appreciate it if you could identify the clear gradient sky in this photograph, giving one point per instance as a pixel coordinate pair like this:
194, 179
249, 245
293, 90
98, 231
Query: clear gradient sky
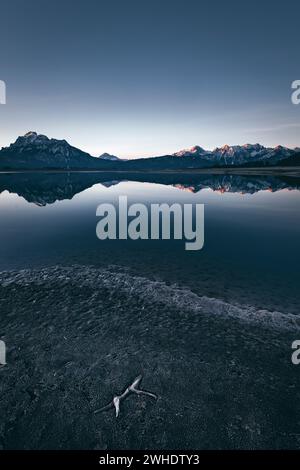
140, 78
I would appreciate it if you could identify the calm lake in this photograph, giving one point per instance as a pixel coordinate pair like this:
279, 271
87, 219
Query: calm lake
210, 331
252, 226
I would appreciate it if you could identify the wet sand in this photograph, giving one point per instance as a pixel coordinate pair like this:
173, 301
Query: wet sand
77, 336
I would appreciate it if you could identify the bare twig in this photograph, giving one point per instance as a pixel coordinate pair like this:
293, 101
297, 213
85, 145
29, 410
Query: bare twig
116, 401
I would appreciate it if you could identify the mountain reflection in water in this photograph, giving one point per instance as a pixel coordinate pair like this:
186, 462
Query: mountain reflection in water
47, 188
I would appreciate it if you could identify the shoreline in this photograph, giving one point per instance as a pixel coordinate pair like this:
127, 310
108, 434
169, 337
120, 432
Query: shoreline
77, 336
289, 171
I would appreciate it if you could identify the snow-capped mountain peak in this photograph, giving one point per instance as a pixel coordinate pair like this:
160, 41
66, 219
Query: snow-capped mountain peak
108, 156
193, 151
44, 152
33, 138
238, 154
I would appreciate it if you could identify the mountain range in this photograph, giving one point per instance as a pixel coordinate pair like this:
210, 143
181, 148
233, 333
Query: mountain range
239, 154
36, 151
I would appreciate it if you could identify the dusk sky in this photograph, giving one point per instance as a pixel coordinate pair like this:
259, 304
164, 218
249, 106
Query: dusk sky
141, 78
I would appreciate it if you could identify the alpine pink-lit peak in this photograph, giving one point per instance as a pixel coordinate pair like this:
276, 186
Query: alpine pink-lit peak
227, 147
197, 149
234, 150
280, 148
225, 150
236, 154
193, 151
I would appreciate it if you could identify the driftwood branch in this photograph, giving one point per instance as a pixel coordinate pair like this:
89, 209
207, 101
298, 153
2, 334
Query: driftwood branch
116, 401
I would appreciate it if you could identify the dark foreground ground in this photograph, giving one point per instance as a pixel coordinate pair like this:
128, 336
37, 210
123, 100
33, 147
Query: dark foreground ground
77, 336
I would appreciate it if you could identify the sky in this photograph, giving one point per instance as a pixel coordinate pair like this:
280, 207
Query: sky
146, 78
